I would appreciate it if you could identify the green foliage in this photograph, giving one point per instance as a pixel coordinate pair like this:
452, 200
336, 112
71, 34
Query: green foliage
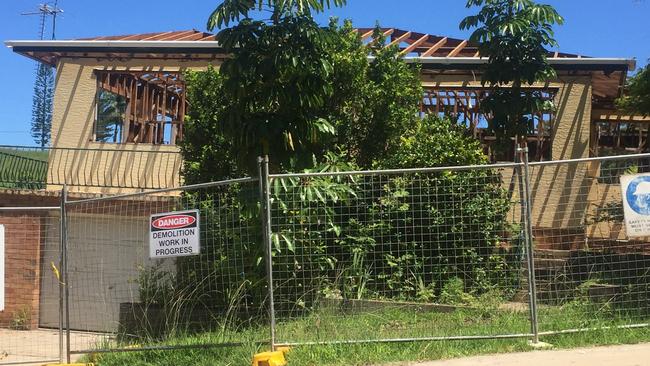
295, 99
431, 142
111, 108
513, 35
397, 236
235, 10
453, 292
42, 104
311, 99
21, 319
375, 101
277, 80
637, 93
208, 154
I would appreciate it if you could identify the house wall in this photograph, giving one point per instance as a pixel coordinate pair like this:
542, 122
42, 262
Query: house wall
32, 243
22, 270
73, 121
557, 190
107, 248
562, 194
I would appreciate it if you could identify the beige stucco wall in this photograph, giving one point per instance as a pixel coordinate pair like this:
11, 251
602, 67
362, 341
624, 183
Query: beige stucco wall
564, 196
104, 164
561, 193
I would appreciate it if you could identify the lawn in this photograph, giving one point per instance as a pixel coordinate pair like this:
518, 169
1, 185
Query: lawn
394, 323
23, 168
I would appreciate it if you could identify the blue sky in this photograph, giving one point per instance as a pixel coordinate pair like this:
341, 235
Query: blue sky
601, 28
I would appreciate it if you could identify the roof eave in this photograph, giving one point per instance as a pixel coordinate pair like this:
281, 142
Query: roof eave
94, 44
28, 48
213, 47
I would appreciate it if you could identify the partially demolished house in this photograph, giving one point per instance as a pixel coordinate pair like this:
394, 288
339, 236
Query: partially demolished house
120, 106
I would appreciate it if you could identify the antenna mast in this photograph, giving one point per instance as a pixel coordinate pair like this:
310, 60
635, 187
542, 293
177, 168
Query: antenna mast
45, 10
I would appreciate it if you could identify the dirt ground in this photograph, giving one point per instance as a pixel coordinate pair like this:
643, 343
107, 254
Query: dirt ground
625, 355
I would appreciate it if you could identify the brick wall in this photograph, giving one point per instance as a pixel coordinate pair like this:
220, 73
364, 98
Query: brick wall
22, 269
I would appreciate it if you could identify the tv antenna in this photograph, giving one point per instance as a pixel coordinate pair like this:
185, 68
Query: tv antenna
44, 11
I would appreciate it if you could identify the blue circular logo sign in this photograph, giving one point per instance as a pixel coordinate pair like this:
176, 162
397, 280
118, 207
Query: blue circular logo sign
638, 195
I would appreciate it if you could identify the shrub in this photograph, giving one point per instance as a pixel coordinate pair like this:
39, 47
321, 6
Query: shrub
395, 236
419, 230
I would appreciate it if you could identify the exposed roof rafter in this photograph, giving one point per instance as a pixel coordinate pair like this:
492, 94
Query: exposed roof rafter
178, 44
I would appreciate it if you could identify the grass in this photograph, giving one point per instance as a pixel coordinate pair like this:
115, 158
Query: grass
22, 168
394, 323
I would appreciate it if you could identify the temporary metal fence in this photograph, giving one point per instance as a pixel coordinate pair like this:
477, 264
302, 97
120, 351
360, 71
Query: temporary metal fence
127, 299
518, 250
30, 315
590, 274
406, 254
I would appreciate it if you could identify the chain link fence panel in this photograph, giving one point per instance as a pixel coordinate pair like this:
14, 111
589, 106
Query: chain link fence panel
123, 299
399, 255
589, 273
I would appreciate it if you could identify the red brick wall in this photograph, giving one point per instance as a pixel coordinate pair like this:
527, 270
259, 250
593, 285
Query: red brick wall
22, 267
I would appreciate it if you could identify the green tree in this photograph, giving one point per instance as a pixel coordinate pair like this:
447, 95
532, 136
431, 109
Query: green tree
513, 35
208, 154
637, 93
110, 116
42, 105
236, 10
277, 78
363, 107
375, 101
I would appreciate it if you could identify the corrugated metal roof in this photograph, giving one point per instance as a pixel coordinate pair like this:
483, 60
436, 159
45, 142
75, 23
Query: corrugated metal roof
184, 35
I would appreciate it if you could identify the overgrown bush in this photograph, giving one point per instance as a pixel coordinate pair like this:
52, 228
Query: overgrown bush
379, 236
395, 235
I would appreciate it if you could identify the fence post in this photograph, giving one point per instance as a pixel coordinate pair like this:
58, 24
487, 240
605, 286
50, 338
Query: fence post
530, 250
64, 271
265, 196
61, 278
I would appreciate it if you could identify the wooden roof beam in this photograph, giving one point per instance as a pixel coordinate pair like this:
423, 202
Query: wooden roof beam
155, 36
458, 48
434, 48
364, 36
399, 39
175, 35
415, 45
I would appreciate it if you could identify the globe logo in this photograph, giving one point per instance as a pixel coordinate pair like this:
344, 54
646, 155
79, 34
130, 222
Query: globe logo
638, 195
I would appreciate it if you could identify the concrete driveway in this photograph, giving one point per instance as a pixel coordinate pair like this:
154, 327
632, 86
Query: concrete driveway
625, 355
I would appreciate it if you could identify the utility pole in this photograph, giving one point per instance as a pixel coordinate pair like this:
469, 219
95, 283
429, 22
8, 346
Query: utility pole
44, 83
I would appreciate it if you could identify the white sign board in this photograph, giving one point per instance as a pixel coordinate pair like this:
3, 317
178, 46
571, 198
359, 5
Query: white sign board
635, 190
174, 234
2, 267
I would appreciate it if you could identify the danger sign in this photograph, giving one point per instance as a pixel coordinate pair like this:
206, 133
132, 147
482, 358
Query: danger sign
174, 234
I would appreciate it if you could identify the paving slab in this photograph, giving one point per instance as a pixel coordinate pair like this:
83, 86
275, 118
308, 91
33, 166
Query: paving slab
34, 347
623, 355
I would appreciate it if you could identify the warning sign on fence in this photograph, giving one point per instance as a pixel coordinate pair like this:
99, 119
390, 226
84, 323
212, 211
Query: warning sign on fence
635, 190
174, 234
